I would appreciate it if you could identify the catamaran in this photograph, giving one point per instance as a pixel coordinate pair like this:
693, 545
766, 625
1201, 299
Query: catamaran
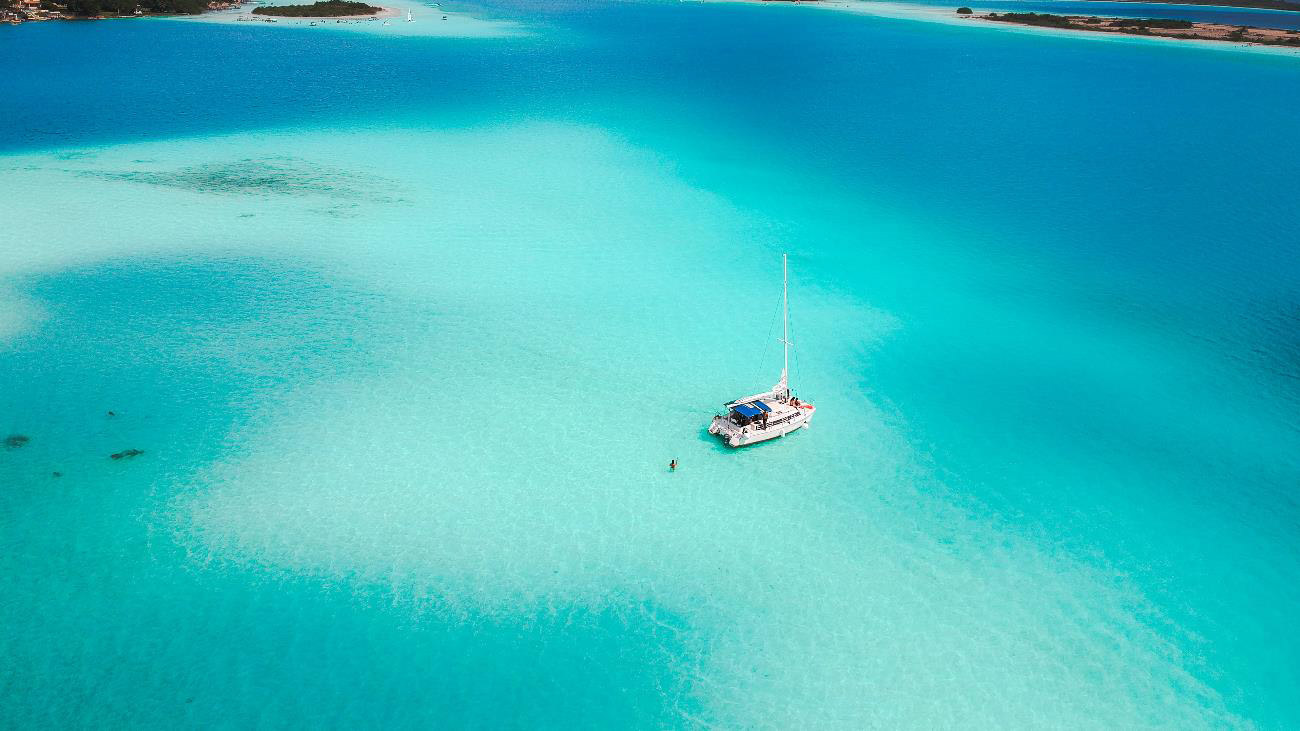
773, 413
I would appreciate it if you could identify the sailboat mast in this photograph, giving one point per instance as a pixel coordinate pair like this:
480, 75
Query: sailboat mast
785, 317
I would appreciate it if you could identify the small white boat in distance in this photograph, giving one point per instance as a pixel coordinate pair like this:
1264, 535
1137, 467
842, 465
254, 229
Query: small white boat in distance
409, 17
773, 413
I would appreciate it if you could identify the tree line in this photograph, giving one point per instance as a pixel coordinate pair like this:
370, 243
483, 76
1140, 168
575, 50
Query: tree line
91, 8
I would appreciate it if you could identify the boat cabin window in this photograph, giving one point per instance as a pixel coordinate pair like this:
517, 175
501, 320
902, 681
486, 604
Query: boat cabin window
746, 414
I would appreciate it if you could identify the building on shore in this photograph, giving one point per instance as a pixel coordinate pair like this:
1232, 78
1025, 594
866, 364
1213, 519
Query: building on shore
17, 11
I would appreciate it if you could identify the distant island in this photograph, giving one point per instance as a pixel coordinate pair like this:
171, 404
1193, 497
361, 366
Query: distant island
321, 9
1161, 27
1261, 4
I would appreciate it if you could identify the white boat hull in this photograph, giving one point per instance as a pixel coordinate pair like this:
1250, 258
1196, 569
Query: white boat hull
769, 415
734, 435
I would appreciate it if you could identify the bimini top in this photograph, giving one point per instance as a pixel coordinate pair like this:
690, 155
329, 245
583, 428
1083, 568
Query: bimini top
751, 409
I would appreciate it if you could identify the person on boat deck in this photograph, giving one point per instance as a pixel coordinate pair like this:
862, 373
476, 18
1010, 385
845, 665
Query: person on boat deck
764, 418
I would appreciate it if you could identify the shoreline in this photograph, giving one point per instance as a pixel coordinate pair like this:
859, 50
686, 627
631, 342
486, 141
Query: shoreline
390, 21
430, 21
1216, 4
384, 13
948, 16
12, 17
380, 12
1182, 30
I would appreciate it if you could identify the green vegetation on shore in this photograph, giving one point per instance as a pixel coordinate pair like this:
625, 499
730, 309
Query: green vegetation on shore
1263, 4
1065, 21
1163, 27
1042, 19
96, 8
321, 9
1151, 23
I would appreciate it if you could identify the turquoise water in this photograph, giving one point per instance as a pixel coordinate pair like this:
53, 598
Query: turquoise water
408, 329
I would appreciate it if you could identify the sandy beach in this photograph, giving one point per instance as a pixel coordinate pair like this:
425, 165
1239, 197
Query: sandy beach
425, 21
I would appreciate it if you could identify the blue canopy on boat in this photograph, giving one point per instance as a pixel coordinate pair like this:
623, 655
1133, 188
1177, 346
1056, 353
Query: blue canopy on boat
751, 409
